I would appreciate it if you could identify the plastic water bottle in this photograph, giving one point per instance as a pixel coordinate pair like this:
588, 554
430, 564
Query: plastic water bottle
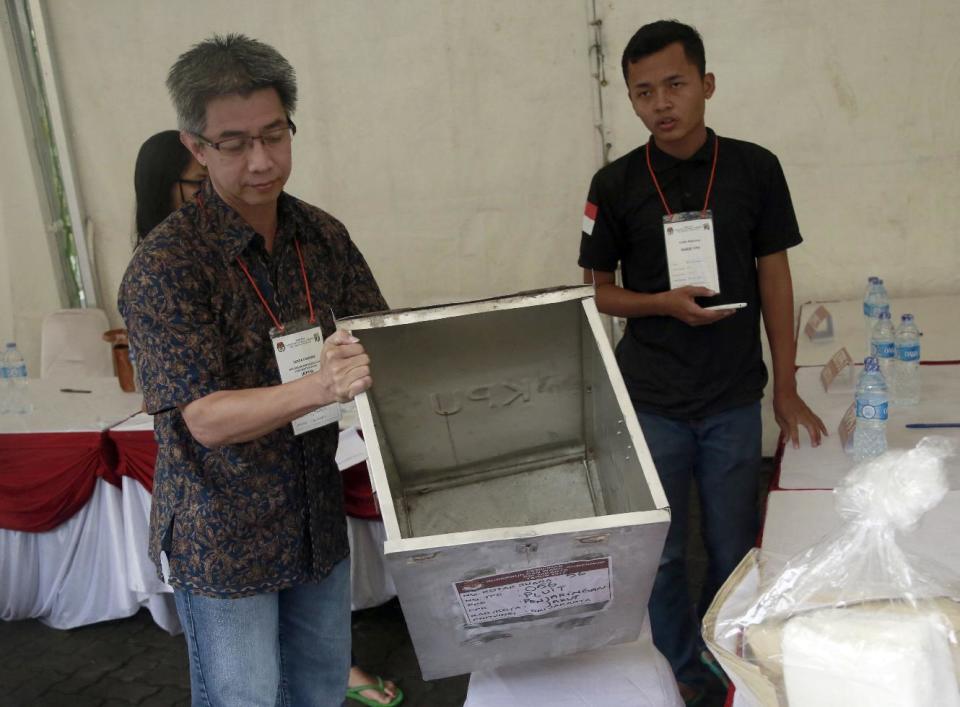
876, 301
885, 296
16, 376
906, 380
4, 386
868, 318
870, 434
882, 346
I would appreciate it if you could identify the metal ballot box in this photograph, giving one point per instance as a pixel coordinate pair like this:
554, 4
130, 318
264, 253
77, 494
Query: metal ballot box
524, 517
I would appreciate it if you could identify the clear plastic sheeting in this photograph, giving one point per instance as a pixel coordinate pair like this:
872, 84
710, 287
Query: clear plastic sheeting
853, 620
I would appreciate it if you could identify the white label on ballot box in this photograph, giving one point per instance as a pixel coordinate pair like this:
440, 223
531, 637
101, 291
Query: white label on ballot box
298, 355
691, 253
534, 592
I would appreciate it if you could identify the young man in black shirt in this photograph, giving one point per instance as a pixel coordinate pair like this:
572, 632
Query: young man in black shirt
695, 375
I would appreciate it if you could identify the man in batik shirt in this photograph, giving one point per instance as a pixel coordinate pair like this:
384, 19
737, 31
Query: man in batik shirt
247, 520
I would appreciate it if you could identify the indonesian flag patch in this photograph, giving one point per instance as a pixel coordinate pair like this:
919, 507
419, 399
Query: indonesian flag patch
589, 218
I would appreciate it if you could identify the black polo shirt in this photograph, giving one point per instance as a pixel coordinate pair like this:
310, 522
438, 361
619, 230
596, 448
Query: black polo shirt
671, 368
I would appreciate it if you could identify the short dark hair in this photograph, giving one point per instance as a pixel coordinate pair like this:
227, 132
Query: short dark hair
658, 35
160, 162
222, 66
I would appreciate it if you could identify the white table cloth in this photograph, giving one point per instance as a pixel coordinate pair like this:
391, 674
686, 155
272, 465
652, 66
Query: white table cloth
796, 520
824, 466
371, 584
94, 566
54, 411
936, 317
75, 574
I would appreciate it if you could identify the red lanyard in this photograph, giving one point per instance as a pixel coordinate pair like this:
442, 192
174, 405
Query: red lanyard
713, 171
266, 306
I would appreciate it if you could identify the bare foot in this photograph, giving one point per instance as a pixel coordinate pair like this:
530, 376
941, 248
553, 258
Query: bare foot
358, 676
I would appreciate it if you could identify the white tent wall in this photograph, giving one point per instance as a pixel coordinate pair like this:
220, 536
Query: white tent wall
28, 288
455, 138
434, 130
859, 100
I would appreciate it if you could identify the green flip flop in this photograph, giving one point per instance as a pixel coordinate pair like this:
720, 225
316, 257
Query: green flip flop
353, 693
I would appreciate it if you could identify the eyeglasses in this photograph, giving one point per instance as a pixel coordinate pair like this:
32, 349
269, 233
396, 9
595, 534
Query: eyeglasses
193, 187
236, 146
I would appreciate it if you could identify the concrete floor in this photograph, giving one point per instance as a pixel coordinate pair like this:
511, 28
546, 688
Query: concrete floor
134, 662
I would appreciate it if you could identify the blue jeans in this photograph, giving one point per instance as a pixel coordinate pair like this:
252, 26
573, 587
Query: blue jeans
721, 455
290, 647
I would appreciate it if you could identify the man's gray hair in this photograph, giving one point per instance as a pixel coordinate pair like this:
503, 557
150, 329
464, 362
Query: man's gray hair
223, 66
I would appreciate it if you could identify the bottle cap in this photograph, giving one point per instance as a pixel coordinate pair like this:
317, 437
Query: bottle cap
906, 317
872, 279
884, 314
870, 364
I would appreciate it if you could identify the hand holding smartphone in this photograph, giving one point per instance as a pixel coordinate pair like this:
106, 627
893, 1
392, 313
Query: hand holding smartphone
730, 305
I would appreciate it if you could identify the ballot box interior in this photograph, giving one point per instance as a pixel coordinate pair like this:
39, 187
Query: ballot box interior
522, 510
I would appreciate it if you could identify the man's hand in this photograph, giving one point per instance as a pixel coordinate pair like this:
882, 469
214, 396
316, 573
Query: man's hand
791, 412
345, 367
680, 304
235, 416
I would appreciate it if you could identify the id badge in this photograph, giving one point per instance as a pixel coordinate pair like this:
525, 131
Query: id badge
297, 351
691, 252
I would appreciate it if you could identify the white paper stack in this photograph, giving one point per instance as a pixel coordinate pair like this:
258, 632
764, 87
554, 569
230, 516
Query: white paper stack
875, 658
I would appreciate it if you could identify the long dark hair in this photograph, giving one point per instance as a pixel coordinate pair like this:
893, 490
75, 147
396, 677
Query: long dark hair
160, 162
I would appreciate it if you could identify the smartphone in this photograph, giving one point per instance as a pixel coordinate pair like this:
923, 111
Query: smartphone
731, 305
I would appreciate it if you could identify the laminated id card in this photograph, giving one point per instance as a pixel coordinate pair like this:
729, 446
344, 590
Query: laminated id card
298, 354
691, 253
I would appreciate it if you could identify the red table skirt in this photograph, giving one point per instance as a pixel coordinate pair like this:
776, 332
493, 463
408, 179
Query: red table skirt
136, 455
358, 498
47, 477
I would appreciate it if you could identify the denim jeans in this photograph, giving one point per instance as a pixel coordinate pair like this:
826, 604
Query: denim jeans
721, 455
290, 647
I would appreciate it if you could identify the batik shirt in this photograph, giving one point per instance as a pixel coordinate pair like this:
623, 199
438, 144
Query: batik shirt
261, 515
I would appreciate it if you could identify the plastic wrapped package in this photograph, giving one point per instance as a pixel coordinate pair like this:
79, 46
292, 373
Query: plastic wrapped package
853, 621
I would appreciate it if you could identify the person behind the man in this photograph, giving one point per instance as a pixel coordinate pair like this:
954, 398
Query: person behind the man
247, 520
695, 375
